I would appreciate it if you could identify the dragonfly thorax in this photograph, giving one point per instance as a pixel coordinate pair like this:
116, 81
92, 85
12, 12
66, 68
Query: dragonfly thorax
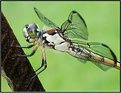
52, 38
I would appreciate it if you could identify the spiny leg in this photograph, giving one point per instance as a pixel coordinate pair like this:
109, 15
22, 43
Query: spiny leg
29, 46
44, 63
43, 60
31, 54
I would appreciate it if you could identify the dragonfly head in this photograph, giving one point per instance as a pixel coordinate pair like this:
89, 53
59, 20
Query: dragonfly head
31, 32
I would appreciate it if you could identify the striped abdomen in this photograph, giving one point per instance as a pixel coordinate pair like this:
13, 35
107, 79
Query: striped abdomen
86, 54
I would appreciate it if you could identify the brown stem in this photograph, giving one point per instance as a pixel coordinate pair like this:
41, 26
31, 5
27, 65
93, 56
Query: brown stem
17, 71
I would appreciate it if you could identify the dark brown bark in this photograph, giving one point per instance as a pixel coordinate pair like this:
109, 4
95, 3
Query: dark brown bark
18, 71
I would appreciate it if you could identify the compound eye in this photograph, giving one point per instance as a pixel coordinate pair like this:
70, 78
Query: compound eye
31, 32
36, 26
25, 33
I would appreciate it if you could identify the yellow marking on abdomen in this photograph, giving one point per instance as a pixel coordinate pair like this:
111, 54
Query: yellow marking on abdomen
104, 60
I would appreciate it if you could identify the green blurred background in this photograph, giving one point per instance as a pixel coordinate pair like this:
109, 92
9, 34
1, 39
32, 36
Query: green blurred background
64, 72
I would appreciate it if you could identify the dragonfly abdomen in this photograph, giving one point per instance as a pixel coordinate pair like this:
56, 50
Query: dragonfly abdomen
88, 55
104, 60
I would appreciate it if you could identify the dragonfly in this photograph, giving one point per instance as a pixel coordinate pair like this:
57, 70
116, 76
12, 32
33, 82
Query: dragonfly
70, 38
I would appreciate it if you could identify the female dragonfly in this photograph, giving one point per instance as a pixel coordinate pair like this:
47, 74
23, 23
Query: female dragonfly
68, 39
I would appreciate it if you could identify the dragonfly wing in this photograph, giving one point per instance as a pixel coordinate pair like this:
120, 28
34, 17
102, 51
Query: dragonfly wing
103, 50
82, 61
102, 66
75, 27
44, 19
100, 49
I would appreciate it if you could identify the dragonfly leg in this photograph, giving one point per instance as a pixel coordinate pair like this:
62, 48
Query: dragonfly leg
31, 54
44, 63
30, 46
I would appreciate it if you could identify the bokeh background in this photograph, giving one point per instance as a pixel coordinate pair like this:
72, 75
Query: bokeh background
65, 73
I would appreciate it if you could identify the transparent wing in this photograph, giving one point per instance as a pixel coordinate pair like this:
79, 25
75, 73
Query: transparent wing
75, 27
103, 50
100, 49
102, 66
44, 19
